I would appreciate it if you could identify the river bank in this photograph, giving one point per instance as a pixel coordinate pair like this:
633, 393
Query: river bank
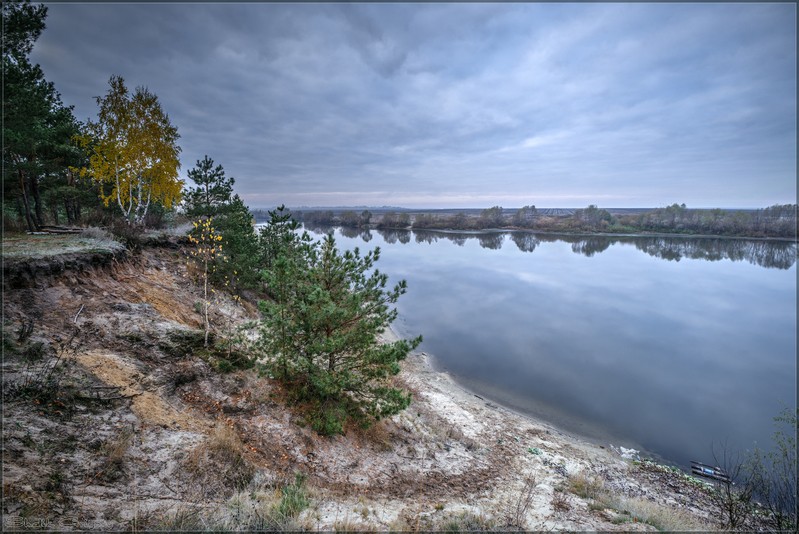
146, 432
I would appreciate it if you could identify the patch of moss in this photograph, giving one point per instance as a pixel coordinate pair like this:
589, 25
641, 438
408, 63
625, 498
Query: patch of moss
182, 343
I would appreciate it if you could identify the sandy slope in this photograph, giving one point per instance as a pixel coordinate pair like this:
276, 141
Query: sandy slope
147, 453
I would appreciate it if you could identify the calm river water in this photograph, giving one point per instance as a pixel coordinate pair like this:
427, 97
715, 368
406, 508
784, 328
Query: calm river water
669, 345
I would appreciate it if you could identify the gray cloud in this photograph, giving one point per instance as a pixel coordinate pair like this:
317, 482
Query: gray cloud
457, 104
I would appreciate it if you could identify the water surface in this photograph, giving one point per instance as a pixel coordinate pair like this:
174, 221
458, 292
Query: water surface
669, 345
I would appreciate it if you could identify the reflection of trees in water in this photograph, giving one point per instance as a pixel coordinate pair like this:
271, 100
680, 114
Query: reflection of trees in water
353, 232
350, 231
425, 237
779, 255
491, 241
320, 229
347, 231
525, 241
590, 246
769, 254
587, 246
392, 236
458, 239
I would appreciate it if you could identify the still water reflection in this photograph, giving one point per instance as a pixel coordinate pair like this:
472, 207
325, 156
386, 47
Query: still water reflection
663, 343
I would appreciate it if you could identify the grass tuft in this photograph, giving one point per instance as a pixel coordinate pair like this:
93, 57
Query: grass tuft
245, 511
584, 486
468, 522
662, 517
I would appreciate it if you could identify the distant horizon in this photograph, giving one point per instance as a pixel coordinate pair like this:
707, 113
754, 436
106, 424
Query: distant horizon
562, 207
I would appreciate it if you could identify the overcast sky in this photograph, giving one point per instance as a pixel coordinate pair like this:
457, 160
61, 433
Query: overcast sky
462, 105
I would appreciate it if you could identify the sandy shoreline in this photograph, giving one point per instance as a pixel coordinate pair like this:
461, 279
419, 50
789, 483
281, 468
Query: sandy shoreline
427, 364
536, 449
421, 366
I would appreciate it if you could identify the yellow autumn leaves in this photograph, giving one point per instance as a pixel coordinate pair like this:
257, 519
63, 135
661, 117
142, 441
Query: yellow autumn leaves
133, 151
207, 243
203, 257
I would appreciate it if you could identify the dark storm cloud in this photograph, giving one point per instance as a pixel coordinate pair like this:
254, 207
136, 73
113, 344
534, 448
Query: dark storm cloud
457, 104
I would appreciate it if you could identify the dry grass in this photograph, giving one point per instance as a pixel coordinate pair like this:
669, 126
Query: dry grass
456, 434
264, 509
185, 518
662, 517
379, 434
349, 525
177, 230
399, 525
114, 452
468, 522
587, 487
219, 464
98, 234
43, 246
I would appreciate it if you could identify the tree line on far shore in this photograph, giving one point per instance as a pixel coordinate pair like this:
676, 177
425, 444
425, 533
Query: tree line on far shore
779, 220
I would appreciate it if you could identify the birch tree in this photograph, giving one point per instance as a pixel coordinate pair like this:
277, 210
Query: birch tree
206, 250
133, 151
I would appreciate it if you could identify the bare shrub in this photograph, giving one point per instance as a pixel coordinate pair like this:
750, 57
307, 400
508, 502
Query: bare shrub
44, 370
515, 513
774, 474
560, 502
732, 497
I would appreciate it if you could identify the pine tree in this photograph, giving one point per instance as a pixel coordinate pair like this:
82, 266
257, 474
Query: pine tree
214, 198
37, 127
321, 331
214, 191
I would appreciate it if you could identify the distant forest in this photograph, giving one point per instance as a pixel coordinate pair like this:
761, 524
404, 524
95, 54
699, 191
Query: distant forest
778, 221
